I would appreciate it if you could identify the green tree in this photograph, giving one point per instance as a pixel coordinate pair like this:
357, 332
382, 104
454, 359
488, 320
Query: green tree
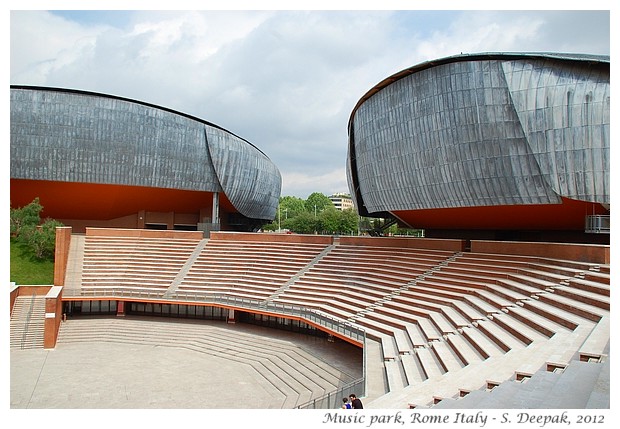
349, 221
328, 221
291, 207
304, 223
27, 229
24, 217
41, 239
316, 202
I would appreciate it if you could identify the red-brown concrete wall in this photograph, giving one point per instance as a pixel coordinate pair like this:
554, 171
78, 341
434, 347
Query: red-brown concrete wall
33, 289
569, 215
273, 238
12, 297
53, 316
591, 253
152, 233
415, 243
61, 255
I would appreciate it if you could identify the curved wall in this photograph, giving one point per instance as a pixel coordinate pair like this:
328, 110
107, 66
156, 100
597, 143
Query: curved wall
482, 131
79, 137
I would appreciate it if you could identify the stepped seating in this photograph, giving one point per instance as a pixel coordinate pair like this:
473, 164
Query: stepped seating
543, 390
505, 307
287, 369
133, 263
596, 346
434, 314
355, 272
247, 269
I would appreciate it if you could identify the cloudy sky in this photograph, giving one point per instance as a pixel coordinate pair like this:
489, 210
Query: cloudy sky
284, 80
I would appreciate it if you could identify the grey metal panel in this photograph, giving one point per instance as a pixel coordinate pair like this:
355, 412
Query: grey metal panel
566, 121
250, 180
449, 135
69, 136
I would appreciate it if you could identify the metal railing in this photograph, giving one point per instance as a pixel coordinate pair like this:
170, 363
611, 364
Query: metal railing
330, 400
333, 399
598, 224
310, 315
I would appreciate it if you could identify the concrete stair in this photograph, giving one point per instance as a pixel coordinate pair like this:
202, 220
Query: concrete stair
27, 323
437, 322
588, 384
289, 371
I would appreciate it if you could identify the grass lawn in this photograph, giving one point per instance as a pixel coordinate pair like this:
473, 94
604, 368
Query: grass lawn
28, 270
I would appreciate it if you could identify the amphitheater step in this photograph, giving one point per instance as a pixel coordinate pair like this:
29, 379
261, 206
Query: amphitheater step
544, 390
296, 373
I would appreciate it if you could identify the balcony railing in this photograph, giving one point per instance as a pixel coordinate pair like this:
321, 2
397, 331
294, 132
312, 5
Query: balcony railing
598, 224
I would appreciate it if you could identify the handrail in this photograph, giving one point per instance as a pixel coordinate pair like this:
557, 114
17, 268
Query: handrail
599, 224
328, 400
311, 315
334, 399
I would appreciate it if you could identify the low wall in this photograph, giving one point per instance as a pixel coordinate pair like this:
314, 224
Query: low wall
13, 296
143, 233
61, 254
53, 316
272, 237
410, 242
591, 253
33, 290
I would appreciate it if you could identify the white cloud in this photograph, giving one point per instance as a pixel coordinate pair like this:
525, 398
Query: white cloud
284, 80
304, 184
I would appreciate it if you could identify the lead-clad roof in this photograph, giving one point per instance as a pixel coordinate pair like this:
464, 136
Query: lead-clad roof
480, 130
77, 136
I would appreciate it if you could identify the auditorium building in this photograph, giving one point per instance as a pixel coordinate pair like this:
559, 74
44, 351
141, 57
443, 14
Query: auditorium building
103, 161
502, 160
509, 146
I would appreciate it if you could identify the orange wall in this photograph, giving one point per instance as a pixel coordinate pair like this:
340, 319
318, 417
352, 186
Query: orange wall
69, 200
152, 233
413, 242
273, 238
81, 205
592, 253
570, 215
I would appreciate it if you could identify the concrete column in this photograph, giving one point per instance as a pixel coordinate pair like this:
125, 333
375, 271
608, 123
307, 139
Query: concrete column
120, 308
215, 211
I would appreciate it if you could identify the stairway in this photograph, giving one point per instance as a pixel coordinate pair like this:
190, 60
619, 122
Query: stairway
588, 384
28, 322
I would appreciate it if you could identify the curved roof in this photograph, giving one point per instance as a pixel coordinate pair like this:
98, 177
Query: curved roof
476, 57
481, 131
77, 136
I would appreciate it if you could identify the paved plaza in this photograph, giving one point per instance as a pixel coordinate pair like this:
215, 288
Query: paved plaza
102, 374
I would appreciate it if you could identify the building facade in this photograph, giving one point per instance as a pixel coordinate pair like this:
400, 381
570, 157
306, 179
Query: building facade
100, 160
493, 144
341, 201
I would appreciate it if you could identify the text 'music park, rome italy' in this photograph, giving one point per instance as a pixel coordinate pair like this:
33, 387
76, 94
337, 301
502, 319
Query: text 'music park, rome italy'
358, 218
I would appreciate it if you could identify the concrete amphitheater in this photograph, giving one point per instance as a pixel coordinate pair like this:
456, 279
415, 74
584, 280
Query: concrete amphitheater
436, 323
500, 158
